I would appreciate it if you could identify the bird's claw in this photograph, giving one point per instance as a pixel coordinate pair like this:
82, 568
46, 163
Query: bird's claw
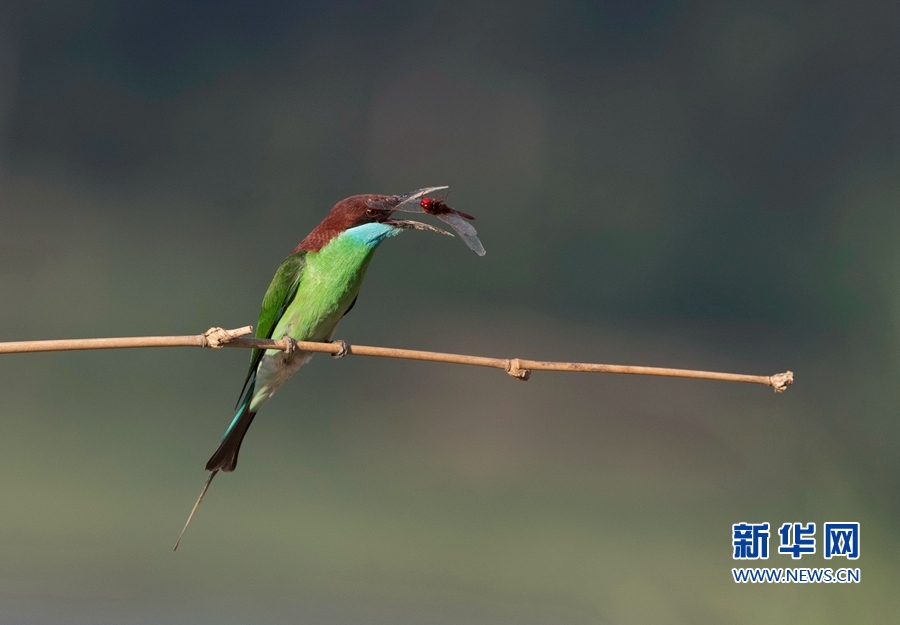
345, 349
291, 345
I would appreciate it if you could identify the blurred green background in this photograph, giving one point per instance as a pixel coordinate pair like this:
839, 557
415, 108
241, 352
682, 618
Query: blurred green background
692, 184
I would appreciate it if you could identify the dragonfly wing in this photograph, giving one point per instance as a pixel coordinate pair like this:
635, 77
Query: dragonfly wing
465, 231
409, 202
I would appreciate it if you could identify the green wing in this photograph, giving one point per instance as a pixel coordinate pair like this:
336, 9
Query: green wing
276, 300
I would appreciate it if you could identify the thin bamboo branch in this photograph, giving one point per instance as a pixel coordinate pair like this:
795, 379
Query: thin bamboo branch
517, 367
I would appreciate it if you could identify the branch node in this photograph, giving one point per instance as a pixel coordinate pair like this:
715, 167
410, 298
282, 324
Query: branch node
780, 381
216, 338
514, 368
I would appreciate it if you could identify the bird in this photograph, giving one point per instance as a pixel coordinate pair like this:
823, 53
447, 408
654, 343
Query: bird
312, 290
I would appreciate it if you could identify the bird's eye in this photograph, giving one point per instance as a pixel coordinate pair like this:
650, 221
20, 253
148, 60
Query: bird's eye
372, 212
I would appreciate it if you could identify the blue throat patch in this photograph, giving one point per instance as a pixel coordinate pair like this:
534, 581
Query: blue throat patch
371, 234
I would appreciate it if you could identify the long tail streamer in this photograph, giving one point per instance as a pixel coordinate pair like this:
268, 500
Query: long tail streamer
194, 509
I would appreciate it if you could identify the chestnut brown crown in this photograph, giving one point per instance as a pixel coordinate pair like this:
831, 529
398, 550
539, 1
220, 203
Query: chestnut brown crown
348, 213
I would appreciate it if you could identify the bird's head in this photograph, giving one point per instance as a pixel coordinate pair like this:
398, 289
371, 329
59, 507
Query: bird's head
359, 210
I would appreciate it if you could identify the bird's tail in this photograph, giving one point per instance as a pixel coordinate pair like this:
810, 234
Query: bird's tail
225, 457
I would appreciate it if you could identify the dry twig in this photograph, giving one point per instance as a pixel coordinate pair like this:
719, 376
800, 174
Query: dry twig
521, 369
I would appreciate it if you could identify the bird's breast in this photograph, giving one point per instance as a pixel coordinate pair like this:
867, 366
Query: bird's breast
330, 282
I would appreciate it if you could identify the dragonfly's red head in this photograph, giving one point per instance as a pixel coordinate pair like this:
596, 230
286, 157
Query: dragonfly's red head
434, 207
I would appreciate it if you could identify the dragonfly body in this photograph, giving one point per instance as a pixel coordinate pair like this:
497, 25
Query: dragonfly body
455, 219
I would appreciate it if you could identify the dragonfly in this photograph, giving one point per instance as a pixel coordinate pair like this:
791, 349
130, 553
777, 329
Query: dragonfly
418, 202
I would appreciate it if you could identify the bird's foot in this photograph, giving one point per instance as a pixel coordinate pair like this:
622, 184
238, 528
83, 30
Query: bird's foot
345, 349
291, 345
